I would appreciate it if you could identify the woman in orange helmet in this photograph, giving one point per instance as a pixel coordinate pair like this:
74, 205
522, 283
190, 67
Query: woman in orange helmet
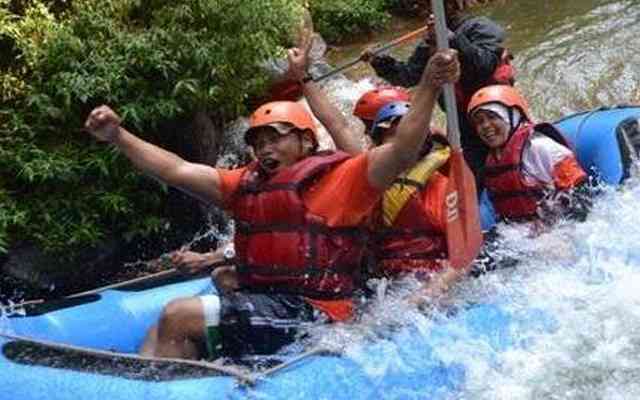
483, 58
529, 166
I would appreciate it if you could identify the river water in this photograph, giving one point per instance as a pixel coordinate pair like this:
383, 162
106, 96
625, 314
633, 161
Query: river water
570, 55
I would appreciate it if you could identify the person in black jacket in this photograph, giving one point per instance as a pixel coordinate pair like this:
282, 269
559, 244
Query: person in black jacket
484, 61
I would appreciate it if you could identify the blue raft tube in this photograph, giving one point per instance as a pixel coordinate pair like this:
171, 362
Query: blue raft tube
84, 348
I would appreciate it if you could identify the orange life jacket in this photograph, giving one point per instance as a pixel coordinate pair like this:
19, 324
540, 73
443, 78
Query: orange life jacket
282, 247
513, 197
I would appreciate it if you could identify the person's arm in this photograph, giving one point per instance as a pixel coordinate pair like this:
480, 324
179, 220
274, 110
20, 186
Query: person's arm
573, 196
337, 125
556, 166
191, 262
201, 181
400, 73
386, 162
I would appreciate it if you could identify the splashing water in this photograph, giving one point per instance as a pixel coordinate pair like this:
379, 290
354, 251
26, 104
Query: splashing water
582, 276
593, 298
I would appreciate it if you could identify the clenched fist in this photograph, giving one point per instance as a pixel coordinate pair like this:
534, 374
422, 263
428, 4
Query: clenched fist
103, 123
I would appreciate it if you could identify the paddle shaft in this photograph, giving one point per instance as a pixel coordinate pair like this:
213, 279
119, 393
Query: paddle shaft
464, 236
375, 52
162, 274
451, 107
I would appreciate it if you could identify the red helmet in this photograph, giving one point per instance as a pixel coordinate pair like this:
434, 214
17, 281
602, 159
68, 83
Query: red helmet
288, 112
501, 94
372, 101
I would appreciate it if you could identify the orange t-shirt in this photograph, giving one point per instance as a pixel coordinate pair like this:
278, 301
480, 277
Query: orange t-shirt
343, 197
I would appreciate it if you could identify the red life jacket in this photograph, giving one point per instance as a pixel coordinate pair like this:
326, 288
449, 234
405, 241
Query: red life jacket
282, 247
513, 197
410, 243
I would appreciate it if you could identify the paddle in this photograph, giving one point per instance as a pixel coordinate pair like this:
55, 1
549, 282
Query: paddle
464, 235
166, 274
375, 52
291, 90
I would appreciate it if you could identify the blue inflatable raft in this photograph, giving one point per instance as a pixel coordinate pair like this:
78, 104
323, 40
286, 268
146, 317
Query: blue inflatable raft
84, 347
81, 348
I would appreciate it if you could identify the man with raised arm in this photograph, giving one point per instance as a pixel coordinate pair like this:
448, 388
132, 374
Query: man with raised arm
298, 215
408, 227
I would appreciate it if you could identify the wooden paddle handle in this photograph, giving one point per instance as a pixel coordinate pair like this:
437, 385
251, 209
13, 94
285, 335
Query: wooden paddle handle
451, 106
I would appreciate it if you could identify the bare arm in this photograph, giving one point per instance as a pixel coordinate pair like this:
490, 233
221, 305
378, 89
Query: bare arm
200, 181
386, 162
337, 125
191, 262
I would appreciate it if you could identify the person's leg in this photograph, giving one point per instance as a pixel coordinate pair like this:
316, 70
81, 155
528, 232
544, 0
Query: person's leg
148, 347
179, 332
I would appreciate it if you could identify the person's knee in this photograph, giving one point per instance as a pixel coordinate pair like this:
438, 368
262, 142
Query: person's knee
182, 317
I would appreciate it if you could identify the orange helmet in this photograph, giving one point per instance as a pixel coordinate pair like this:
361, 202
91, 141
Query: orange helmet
287, 112
502, 94
372, 101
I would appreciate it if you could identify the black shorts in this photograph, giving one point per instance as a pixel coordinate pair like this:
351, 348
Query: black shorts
258, 323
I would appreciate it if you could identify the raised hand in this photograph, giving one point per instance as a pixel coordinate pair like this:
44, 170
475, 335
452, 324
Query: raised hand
299, 56
103, 123
443, 67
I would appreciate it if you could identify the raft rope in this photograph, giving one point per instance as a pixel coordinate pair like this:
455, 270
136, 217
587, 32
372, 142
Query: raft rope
162, 274
241, 376
315, 351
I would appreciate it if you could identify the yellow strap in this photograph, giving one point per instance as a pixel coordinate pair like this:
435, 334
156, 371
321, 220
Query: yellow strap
395, 198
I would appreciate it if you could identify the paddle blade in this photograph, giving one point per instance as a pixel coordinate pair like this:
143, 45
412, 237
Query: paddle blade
464, 235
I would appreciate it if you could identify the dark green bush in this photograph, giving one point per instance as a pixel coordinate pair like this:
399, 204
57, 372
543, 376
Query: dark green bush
339, 20
153, 61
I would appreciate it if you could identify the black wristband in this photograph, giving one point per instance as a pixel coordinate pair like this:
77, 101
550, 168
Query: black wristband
307, 78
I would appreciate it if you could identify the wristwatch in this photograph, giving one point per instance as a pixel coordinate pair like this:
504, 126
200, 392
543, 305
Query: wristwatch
229, 252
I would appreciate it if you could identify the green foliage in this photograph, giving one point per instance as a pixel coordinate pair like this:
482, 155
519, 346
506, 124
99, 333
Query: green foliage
152, 61
338, 20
